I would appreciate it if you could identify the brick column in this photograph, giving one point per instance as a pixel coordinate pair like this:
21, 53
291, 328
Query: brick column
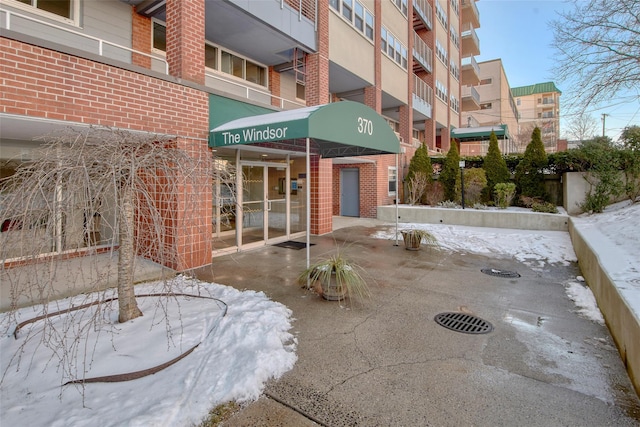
321, 196
192, 235
274, 86
317, 93
141, 38
185, 39
317, 85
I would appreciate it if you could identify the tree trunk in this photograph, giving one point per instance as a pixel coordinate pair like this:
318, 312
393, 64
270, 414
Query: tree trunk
127, 305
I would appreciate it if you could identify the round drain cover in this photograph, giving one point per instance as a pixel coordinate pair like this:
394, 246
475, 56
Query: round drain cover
465, 323
500, 273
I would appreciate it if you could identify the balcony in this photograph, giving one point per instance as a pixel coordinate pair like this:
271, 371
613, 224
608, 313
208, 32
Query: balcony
79, 42
470, 71
470, 41
470, 13
422, 55
422, 99
265, 31
470, 99
422, 15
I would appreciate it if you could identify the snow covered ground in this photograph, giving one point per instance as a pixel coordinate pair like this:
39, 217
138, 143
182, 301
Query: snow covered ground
240, 351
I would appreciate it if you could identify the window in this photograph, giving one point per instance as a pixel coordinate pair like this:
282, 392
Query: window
518, 101
347, 9
255, 73
301, 91
402, 6
61, 8
356, 14
486, 106
393, 180
394, 49
441, 15
455, 71
454, 37
369, 25
486, 81
159, 36
455, 104
441, 52
210, 57
231, 64
441, 91
384, 39
359, 17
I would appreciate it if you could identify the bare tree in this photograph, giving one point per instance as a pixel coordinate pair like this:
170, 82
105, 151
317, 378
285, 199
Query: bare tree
127, 182
598, 43
582, 127
89, 192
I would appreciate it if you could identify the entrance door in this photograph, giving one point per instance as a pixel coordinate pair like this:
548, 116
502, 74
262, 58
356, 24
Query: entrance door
350, 192
264, 214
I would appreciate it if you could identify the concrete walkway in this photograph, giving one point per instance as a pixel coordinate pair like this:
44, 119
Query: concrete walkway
384, 361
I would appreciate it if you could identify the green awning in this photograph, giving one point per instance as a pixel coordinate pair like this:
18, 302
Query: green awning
480, 133
339, 129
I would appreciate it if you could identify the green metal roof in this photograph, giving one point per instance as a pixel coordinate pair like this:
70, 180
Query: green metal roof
339, 129
533, 89
480, 133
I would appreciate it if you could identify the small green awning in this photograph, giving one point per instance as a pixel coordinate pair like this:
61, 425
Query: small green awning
480, 133
339, 129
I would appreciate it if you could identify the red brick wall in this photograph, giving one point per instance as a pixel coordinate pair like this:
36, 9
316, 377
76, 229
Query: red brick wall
141, 38
317, 93
42, 83
185, 39
321, 196
274, 86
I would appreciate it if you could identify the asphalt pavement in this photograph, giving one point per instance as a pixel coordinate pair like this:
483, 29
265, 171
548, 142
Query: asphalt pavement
385, 361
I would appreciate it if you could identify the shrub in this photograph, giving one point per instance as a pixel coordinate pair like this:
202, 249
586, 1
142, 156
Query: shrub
504, 194
434, 193
450, 174
495, 167
630, 161
474, 183
604, 177
546, 207
417, 187
530, 171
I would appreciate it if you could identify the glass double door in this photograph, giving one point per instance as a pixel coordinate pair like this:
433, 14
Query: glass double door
264, 203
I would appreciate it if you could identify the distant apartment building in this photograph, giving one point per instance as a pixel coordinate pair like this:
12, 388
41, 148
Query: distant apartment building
187, 67
497, 113
539, 106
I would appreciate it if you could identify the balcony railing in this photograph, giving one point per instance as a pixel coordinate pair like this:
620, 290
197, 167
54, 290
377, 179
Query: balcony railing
471, 92
470, 41
423, 9
422, 53
470, 12
211, 79
423, 96
97, 48
306, 8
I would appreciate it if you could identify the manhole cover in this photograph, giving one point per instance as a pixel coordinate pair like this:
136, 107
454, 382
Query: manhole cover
500, 273
465, 323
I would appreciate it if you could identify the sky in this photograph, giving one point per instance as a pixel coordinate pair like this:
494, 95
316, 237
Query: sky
528, 58
240, 351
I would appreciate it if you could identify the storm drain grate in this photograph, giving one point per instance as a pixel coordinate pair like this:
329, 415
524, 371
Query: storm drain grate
500, 273
465, 323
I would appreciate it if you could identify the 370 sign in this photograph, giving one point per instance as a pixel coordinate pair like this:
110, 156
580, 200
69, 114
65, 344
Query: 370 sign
365, 126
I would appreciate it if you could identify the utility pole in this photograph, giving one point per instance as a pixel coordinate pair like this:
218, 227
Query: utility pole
604, 118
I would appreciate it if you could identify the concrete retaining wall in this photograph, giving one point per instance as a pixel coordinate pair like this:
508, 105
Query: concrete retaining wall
521, 220
623, 322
